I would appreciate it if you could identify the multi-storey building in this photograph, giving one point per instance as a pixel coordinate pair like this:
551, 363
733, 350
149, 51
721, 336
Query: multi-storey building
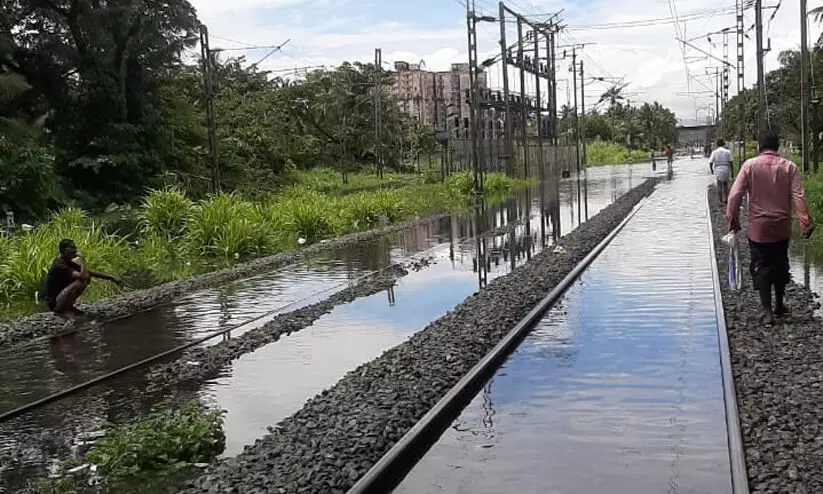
436, 99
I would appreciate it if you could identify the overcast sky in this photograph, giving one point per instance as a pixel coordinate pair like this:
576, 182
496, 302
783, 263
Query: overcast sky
646, 54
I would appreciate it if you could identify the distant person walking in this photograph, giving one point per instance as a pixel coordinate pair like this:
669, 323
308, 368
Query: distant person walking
773, 184
669, 152
68, 278
720, 165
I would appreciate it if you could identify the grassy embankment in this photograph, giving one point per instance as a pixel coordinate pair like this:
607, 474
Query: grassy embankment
609, 153
170, 237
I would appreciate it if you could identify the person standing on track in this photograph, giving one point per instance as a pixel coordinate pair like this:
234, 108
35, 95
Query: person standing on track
68, 278
669, 152
720, 165
773, 184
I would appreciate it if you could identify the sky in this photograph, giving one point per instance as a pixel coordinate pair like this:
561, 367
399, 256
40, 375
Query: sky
647, 56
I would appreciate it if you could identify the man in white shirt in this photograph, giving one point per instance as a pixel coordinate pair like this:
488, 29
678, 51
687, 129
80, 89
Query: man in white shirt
720, 164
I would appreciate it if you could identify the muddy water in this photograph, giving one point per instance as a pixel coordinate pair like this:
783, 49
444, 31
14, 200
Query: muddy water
618, 389
263, 387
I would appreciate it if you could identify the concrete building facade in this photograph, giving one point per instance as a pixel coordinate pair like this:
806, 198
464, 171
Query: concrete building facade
435, 99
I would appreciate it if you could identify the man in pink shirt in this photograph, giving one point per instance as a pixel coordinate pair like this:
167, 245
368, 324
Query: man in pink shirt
773, 184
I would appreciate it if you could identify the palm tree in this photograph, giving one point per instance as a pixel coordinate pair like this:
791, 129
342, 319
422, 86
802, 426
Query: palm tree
613, 95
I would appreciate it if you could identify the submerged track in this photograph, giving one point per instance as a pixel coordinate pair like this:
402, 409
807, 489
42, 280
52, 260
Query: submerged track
402, 459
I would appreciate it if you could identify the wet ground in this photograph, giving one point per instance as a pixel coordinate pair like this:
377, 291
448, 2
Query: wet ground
264, 386
616, 390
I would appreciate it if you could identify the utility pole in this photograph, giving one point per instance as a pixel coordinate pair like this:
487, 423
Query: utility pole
725, 89
540, 130
524, 123
761, 83
208, 90
576, 115
378, 144
474, 114
553, 87
507, 123
741, 117
583, 112
341, 129
804, 90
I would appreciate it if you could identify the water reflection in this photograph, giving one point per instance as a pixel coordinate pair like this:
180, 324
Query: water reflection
616, 391
320, 355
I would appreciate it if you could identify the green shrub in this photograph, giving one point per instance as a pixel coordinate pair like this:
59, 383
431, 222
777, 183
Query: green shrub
610, 153
121, 220
149, 455
166, 212
226, 225
163, 440
460, 183
308, 213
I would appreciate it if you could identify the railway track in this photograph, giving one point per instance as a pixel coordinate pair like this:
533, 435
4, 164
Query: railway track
393, 467
235, 328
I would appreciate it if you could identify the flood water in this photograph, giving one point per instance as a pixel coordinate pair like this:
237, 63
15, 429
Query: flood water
618, 389
265, 386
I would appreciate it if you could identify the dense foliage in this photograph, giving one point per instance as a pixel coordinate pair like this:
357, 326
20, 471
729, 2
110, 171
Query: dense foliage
171, 236
97, 105
647, 127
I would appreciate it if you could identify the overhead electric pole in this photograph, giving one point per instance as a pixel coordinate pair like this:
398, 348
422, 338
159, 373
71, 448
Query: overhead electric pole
524, 114
378, 100
761, 83
583, 113
804, 90
208, 91
474, 114
507, 117
741, 114
538, 102
576, 115
552, 88
724, 98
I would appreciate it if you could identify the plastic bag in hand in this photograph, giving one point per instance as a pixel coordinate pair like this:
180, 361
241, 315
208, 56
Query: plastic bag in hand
730, 239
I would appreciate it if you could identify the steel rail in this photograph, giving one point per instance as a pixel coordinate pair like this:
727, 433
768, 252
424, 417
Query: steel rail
23, 409
734, 437
392, 467
10, 414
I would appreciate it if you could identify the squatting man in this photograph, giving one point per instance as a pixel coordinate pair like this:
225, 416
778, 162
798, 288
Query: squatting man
68, 278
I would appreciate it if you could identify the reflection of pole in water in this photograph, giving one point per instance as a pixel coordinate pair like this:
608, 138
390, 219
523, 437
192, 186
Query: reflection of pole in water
390, 293
586, 192
488, 406
807, 265
542, 212
579, 202
512, 253
225, 315
528, 210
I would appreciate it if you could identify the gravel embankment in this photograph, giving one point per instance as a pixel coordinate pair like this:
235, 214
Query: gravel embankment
778, 375
340, 433
201, 363
128, 303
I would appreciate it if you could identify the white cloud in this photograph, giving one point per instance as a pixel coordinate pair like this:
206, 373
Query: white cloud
326, 32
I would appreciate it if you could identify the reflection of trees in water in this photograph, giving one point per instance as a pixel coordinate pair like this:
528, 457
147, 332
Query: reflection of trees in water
368, 255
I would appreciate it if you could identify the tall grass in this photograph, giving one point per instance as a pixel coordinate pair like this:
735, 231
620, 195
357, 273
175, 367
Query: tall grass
610, 153
178, 237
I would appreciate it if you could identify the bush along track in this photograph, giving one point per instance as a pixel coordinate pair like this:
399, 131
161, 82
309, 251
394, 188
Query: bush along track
202, 363
340, 433
778, 375
128, 303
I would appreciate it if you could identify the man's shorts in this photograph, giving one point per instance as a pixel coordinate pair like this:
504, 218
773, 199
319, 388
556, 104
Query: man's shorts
722, 173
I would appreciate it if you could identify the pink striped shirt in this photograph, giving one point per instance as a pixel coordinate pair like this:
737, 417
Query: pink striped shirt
773, 184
